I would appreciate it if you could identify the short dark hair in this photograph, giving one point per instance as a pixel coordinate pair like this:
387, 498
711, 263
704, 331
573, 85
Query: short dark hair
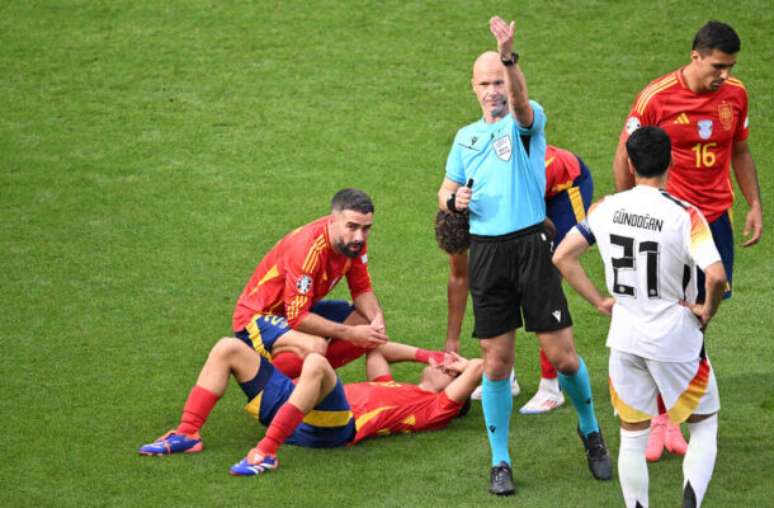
352, 199
650, 151
452, 231
716, 35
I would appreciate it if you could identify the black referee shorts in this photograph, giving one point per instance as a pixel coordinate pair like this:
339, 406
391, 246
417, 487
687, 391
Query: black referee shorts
511, 274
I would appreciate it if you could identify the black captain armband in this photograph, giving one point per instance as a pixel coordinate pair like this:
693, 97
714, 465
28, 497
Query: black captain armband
450, 202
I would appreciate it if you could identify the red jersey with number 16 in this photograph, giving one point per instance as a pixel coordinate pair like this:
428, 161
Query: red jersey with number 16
703, 128
299, 271
382, 408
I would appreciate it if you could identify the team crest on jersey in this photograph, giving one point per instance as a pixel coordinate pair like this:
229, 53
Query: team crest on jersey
632, 124
304, 284
726, 115
502, 147
705, 128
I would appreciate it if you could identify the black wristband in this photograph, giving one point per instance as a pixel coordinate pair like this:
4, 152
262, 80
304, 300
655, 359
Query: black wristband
450, 202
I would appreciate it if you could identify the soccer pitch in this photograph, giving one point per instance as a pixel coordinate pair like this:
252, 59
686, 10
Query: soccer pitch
152, 152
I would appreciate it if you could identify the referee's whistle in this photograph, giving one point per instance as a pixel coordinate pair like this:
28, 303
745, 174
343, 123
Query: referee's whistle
469, 185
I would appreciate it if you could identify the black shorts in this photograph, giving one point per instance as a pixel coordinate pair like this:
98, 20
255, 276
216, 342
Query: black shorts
514, 273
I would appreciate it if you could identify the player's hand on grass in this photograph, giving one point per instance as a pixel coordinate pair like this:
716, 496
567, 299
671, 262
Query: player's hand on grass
366, 336
606, 306
462, 198
503, 33
753, 225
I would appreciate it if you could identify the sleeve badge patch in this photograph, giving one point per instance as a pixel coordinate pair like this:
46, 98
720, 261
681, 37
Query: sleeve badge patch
632, 124
304, 284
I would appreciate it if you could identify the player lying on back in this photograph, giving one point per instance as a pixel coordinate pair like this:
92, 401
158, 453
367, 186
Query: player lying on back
318, 410
651, 244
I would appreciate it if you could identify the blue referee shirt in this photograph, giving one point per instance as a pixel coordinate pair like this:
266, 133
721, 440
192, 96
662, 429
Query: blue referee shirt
509, 183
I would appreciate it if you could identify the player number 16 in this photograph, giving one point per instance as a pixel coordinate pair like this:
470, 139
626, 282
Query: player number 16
704, 156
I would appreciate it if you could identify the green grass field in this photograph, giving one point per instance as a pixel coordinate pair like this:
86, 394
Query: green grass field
151, 152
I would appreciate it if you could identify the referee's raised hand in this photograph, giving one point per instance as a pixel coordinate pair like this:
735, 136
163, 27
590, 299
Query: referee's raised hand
503, 33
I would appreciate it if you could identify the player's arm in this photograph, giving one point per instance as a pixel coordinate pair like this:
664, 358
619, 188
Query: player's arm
516, 84
378, 359
623, 177
470, 373
457, 299
715, 288
747, 178
702, 249
361, 335
567, 260
297, 297
368, 305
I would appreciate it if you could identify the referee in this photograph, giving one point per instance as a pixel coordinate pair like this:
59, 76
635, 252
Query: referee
510, 254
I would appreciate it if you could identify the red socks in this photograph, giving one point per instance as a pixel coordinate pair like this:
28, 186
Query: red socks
288, 363
547, 370
382, 379
197, 409
286, 420
424, 356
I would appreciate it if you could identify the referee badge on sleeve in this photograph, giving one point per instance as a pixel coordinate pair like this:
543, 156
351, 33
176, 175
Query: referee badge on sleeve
502, 147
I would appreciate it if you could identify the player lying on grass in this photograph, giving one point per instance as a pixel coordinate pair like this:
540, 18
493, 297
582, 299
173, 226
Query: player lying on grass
318, 410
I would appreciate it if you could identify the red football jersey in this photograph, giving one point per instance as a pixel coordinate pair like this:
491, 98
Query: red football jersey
298, 272
382, 408
703, 128
562, 167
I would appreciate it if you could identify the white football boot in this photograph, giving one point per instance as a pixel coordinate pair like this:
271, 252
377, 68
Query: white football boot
548, 397
515, 388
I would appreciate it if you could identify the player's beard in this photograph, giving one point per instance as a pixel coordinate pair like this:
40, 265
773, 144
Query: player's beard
351, 249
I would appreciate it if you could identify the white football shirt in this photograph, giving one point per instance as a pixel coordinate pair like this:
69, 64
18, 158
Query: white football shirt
651, 244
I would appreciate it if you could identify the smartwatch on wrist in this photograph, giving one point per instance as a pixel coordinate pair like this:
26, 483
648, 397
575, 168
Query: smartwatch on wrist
513, 60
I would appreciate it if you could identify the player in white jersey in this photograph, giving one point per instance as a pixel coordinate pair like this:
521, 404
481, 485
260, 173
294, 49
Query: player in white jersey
651, 244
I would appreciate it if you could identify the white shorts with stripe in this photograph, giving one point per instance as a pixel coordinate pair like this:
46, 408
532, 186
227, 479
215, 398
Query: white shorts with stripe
685, 387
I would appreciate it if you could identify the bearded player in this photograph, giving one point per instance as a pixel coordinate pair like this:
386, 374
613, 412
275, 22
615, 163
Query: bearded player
281, 312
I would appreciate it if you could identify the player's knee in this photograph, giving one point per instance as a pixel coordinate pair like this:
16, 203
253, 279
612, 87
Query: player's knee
226, 346
316, 363
497, 367
318, 345
567, 363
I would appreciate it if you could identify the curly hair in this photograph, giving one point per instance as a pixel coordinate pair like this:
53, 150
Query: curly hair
452, 231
